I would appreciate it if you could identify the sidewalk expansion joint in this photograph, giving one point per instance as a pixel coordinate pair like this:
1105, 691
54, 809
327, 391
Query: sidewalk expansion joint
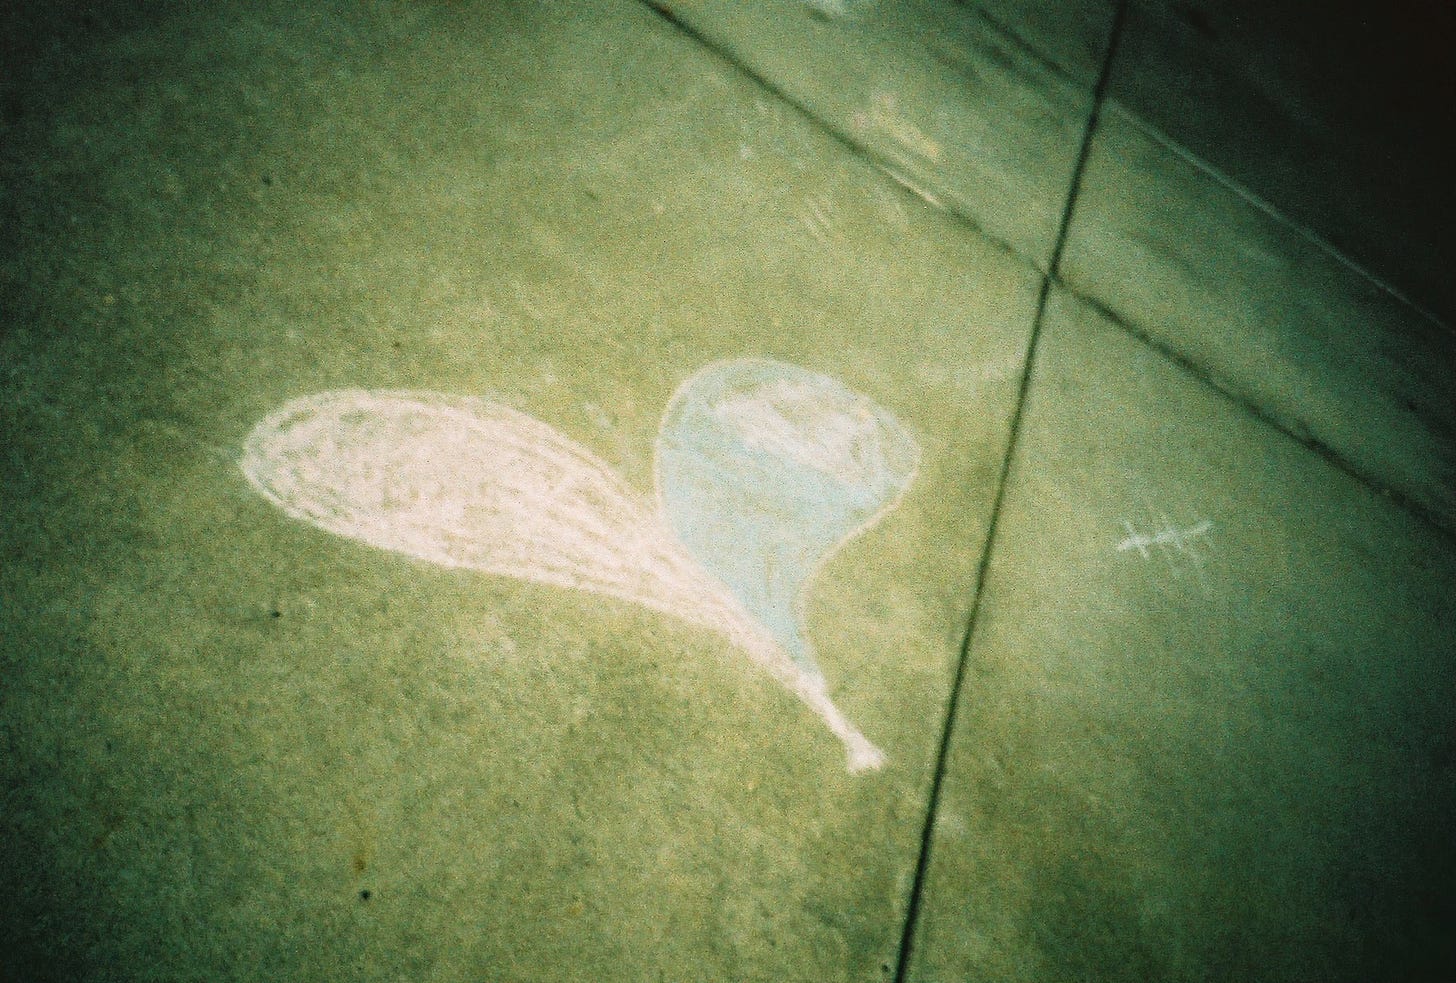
923, 860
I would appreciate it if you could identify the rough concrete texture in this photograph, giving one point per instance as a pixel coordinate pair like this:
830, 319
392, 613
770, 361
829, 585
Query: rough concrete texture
1335, 113
969, 117
1267, 312
240, 747
1207, 730
312, 691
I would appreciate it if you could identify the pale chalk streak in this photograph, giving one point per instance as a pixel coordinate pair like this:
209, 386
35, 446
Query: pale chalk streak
525, 302
1178, 539
914, 187
1178, 546
789, 419
818, 217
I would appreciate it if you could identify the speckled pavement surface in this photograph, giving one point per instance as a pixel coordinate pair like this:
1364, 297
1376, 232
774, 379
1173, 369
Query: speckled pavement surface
469, 471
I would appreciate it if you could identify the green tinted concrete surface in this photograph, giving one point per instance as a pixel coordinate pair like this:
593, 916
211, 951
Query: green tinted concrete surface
1206, 732
1071, 37
238, 747
1271, 315
1337, 114
958, 109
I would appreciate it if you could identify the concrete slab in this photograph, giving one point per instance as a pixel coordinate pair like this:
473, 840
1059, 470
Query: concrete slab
360, 711
1268, 313
1206, 731
963, 112
1335, 114
1072, 37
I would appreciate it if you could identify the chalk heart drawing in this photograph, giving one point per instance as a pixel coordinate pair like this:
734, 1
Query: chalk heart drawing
764, 470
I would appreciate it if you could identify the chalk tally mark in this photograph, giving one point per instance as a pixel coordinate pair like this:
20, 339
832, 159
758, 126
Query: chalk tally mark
764, 470
1179, 545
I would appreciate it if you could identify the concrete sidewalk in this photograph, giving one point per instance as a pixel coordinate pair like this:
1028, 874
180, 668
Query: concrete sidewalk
622, 491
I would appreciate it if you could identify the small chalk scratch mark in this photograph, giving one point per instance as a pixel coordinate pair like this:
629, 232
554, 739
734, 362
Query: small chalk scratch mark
819, 217
525, 302
914, 187
1178, 545
1168, 536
